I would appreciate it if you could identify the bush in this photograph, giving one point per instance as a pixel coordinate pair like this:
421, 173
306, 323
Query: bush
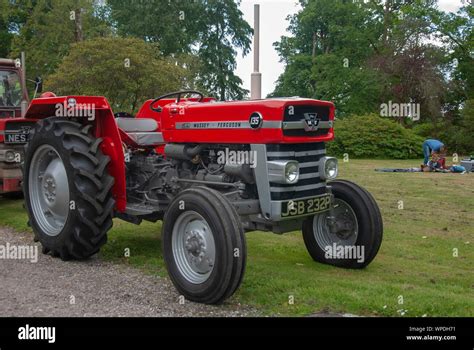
371, 136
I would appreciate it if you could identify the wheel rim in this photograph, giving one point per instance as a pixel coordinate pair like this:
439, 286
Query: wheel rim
49, 190
193, 247
342, 228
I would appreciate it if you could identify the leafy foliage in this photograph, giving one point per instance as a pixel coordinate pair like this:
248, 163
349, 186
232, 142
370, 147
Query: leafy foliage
371, 136
127, 71
45, 30
361, 55
223, 31
5, 35
210, 29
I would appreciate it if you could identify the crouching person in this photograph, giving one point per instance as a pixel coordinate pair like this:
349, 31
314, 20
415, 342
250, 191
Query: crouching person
435, 148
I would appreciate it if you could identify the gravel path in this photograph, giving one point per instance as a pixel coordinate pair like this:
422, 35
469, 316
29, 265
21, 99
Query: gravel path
51, 287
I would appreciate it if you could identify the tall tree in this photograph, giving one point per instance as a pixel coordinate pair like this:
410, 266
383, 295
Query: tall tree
223, 30
173, 24
385, 45
45, 30
5, 35
326, 54
211, 29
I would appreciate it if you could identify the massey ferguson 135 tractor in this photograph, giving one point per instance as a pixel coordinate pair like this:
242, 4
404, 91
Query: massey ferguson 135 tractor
211, 171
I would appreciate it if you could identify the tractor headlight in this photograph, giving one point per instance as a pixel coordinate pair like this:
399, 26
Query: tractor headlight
292, 172
9, 156
328, 168
283, 171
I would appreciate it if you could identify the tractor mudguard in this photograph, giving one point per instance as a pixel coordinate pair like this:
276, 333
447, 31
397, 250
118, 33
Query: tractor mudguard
94, 110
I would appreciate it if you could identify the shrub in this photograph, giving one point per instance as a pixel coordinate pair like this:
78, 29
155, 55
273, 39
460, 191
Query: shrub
371, 136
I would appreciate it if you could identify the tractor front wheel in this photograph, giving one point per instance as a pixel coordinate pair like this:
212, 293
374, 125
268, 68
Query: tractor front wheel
67, 189
350, 234
203, 245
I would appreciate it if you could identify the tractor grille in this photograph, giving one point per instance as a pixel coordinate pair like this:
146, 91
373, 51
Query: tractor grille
308, 156
296, 114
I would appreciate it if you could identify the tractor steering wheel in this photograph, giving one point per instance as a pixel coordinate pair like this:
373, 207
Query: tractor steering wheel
177, 93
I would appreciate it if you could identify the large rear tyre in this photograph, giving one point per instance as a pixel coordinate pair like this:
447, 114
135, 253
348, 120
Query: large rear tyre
350, 236
67, 189
204, 245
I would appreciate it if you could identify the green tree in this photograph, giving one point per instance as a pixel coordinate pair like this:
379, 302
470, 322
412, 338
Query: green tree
326, 55
454, 127
386, 49
5, 35
45, 30
171, 24
127, 71
210, 29
223, 31
409, 65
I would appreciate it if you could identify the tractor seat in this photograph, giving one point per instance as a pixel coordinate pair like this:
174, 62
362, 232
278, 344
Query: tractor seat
137, 124
141, 130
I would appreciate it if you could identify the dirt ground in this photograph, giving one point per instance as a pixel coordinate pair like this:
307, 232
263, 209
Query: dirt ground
51, 287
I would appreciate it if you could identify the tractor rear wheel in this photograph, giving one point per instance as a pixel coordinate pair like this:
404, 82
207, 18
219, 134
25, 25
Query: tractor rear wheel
203, 245
348, 236
67, 189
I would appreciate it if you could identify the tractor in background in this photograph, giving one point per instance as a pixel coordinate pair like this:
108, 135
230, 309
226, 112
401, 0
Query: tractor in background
13, 130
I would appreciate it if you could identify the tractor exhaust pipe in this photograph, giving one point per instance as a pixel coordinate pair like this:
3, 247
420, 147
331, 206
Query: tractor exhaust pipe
182, 152
256, 77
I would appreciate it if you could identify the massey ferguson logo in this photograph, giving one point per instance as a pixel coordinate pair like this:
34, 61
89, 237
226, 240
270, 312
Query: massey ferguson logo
311, 121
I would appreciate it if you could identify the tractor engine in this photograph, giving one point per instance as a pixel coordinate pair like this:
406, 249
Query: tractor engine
153, 179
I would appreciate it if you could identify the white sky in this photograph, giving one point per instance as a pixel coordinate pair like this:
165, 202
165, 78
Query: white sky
273, 25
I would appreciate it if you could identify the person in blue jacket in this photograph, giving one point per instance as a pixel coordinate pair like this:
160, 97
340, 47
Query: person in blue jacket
432, 145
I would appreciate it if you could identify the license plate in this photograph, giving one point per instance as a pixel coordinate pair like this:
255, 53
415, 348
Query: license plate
16, 137
307, 206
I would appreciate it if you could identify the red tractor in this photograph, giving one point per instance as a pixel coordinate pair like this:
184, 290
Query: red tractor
211, 171
13, 131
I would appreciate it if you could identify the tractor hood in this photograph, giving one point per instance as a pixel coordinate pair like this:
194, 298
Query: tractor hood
278, 120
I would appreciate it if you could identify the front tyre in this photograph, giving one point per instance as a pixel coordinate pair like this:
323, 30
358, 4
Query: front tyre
67, 189
203, 245
348, 236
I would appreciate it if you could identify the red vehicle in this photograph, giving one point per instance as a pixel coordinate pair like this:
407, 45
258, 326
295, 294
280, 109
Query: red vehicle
13, 132
211, 171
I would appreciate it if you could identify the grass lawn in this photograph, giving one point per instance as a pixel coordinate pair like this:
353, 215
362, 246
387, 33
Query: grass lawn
417, 261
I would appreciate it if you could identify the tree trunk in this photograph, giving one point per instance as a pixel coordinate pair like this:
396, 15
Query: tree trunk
386, 21
315, 38
79, 35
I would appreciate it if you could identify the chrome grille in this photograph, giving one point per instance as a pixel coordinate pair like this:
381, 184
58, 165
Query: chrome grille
308, 156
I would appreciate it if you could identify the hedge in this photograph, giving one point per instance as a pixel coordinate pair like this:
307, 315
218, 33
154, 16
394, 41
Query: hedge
371, 136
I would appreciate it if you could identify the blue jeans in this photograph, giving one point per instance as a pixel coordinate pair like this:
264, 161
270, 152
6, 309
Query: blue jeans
426, 152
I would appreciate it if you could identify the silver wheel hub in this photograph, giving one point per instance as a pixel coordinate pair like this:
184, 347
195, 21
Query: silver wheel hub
193, 247
339, 226
49, 190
